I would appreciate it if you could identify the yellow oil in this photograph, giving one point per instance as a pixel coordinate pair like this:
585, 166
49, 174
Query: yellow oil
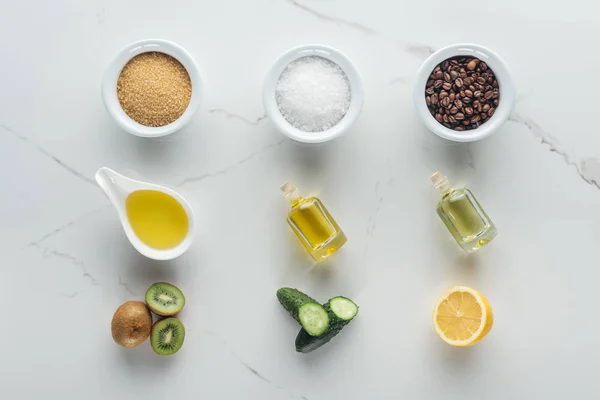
315, 227
465, 219
157, 219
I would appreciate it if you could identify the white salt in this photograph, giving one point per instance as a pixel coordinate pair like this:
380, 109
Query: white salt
313, 94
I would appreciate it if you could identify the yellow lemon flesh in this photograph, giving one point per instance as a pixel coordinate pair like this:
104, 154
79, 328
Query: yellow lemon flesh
462, 316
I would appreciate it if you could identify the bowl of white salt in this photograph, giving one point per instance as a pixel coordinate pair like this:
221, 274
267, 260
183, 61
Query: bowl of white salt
313, 93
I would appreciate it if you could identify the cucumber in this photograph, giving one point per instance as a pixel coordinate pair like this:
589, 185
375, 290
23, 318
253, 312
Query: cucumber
341, 311
311, 315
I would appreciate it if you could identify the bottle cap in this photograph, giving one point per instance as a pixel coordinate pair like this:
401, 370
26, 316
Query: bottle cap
440, 182
290, 191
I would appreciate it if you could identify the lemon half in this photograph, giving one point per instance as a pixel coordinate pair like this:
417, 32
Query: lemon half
462, 316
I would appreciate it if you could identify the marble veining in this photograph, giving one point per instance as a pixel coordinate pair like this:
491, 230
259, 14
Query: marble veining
68, 264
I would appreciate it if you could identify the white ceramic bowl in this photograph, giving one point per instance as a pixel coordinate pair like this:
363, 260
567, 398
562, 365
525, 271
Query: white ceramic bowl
333, 55
505, 83
109, 87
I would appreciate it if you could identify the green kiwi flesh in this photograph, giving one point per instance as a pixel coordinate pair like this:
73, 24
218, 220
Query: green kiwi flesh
167, 336
164, 299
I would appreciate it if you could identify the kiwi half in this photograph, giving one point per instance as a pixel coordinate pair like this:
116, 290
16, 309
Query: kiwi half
167, 336
164, 299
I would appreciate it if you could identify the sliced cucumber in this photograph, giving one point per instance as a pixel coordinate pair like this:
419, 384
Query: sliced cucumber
304, 309
341, 311
342, 308
314, 319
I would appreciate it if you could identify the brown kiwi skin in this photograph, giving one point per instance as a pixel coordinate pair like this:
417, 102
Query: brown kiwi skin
131, 324
161, 314
164, 314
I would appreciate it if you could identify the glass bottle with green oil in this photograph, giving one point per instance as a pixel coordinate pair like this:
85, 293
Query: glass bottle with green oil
312, 223
463, 216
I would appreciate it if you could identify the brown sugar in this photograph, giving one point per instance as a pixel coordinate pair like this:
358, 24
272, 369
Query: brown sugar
154, 89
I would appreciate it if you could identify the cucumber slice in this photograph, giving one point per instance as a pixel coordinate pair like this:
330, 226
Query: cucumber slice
341, 311
304, 309
292, 300
314, 319
343, 308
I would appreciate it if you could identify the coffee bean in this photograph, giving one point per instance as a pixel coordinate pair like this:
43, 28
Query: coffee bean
462, 93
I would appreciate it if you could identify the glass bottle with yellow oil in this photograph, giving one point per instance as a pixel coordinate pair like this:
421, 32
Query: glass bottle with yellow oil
463, 216
312, 224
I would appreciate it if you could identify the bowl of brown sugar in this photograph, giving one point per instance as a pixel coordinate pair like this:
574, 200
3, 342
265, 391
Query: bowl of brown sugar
152, 88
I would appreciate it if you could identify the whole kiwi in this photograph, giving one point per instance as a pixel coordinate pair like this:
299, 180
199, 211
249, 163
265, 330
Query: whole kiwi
131, 324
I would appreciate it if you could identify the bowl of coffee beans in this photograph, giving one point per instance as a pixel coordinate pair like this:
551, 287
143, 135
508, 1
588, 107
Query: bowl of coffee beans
464, 92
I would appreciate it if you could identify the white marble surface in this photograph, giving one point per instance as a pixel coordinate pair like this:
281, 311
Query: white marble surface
67, 264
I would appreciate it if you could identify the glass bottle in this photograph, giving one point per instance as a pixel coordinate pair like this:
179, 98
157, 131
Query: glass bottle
463, 216
312, 223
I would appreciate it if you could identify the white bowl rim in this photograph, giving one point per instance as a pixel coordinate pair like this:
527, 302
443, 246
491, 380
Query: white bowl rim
109, 86
333, 55
505, 81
